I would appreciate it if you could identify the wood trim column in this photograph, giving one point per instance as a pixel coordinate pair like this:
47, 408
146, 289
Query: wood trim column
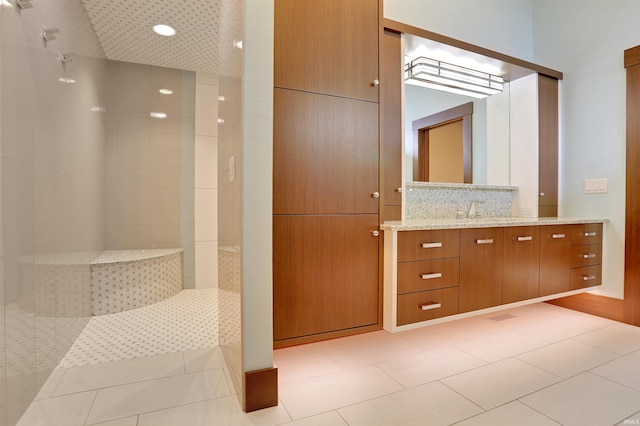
632, 222
260, 389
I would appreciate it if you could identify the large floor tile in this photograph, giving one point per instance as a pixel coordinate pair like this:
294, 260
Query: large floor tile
127, 421
499, 383
67, 410
445, 334
297, 365
513, 413
567, 358
555, 330
631, 420
366, 349
432, 404
429, 366
96, 376
220, 411
624, 370
143, 397
314, 396
331, 418
619, 338
585, 399
497, 346
203, 359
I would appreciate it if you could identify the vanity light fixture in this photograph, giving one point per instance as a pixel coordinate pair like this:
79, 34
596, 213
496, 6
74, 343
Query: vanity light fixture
165, 91
67, 80
158, 115
452, 78
222, 98
164, 30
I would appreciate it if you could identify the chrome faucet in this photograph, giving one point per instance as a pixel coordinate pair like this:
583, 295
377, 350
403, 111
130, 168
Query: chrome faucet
473, 210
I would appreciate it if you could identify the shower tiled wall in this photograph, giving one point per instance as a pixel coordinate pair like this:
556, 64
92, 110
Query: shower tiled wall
206, 181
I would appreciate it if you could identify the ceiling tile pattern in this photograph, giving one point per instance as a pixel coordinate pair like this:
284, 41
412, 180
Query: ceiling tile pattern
206, 30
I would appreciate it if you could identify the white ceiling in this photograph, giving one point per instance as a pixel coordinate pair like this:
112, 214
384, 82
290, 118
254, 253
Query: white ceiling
206, 30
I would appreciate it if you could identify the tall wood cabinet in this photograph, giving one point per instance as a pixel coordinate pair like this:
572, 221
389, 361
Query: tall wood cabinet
326, 169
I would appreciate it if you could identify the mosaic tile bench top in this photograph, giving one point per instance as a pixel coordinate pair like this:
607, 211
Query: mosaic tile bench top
127, 279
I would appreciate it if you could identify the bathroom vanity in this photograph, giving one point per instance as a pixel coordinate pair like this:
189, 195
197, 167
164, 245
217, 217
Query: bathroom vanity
446, 268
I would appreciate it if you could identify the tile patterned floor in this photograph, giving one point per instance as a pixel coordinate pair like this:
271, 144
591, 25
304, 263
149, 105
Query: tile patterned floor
160, 328
544, 365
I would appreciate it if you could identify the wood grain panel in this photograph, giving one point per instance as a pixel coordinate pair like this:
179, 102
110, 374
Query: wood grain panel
548, 134
587, 276
606, 307
632, 221
325, 274
587, 233
391, 82
480, 268
632, 57
410, 244
261, 389
514, 67
521, 271
327, 46
555, 259
409, 305
585, 255
325, 153
420, 276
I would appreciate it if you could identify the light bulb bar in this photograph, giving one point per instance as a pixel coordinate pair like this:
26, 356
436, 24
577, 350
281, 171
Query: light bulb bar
452, 78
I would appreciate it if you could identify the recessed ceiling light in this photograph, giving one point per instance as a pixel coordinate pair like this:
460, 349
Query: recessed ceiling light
158, 114
237, 44
220, 120
66, 80
222, 98
165, 91
164, 30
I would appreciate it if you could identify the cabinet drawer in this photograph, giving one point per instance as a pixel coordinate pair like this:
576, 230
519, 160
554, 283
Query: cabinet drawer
586, 233
424, 245
442, 302
587, 276
586, 255
428, 275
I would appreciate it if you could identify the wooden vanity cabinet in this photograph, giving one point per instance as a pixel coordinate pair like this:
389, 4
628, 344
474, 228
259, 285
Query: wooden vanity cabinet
521, 264
555, 259
586, 255
428, 275
481, 252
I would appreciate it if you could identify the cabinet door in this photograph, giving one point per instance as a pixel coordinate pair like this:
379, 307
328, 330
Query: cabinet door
325, 154
327, 46
391, 107
325, 274
555, 259
548, 146
480, 268
521, 273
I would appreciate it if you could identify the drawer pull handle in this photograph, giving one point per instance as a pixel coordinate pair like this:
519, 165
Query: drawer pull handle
431, 276
589, 234
487, 241
557, 236
589, 277
431, 245
430, 305
528, 238
589, 256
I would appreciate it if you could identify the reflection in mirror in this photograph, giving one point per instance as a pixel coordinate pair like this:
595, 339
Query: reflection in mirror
489, 132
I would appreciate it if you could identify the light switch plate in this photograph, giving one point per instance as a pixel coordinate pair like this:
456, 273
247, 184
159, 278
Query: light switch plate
596, 186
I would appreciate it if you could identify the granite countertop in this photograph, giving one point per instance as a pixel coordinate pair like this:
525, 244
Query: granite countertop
486, 222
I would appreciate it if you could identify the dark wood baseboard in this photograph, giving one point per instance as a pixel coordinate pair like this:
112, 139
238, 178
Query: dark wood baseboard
602, 306
260, 389
285, 343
